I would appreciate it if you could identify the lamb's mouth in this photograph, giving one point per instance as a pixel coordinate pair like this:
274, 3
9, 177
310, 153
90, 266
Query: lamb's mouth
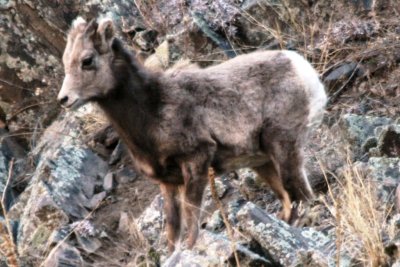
76, 104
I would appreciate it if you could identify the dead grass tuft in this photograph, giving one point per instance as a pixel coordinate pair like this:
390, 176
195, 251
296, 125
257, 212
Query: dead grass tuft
145, 256
7, 244
360, 218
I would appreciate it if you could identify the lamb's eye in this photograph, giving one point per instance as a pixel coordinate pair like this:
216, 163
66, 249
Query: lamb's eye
87, 63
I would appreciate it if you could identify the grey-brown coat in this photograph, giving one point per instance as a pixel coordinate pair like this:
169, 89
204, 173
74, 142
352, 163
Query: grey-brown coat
252, 111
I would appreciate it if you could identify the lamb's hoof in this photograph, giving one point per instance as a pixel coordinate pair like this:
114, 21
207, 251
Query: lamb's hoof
304, 215
285, 215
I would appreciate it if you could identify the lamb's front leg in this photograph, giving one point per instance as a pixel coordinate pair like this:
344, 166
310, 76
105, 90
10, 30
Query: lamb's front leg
195, 178
172, 214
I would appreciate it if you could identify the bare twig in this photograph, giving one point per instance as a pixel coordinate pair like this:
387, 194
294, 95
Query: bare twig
54, 249
14, 85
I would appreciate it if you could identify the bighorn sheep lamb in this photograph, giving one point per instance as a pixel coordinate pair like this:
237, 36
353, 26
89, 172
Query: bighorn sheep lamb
251, 111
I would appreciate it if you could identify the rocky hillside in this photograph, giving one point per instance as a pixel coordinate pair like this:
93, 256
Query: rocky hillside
71, 198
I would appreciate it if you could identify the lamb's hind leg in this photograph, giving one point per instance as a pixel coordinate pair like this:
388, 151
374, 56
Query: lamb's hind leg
270, 172
293, 172
172, 214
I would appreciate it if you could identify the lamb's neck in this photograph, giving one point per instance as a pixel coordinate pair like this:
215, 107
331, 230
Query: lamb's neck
133, 110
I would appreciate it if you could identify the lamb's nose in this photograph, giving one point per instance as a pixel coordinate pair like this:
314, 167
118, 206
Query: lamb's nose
63, 100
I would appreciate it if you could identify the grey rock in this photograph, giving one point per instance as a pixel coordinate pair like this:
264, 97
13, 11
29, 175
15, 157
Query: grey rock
185, 258
215, 222
392, 246
89, 244
71, 176
287, 245
365, 5
123, 224
343, 71
250, 184
369, 144
146, 39
215, 250
13, 165
125, 175
62, 185
109, 182
221, 187
86, 235
219, 40
389, 141
64, 255
357, 129
151, 221
385, 173
96, 199
116, 155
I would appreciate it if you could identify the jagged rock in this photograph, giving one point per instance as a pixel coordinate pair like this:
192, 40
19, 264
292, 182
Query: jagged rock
86, 235
117, 153
64, 255
96, 199
109, 182
125, 175
392, 246
389, 141
287, 245
160, 60
385, 173
340, 74
186, 258
123, 224
33, 40
146, 39
346, 31
366, 5
219, 40
215, 223
61, 187
151, 221
89, 244
215, 250
250, 184
13, 165
222, 186
357, 129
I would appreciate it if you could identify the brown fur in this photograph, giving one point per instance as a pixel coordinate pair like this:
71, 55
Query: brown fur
252, 111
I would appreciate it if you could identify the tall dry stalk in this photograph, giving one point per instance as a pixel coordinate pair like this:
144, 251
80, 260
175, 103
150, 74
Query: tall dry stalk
360, 218
211, 176
7, 246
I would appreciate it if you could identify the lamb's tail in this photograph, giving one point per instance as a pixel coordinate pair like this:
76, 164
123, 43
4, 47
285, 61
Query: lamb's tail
318, 100
314, 88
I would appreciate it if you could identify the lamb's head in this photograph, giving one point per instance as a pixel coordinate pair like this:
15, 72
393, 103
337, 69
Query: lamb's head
87, 62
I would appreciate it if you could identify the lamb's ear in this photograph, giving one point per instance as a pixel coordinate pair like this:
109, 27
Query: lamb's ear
79, 22
105, 35
91, 28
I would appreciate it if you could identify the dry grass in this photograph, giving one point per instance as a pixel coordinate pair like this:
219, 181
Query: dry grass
360, 218
7, 245
94, 120
145, 255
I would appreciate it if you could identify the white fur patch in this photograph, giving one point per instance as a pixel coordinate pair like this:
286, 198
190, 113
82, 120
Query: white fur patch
306, 181
314, 86
79, 20
104, 19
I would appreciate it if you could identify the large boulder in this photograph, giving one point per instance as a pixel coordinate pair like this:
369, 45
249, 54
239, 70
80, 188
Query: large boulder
61, 190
